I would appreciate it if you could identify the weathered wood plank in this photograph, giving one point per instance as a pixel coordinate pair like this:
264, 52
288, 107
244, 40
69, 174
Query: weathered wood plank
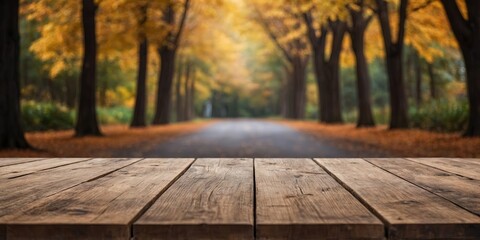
23, 169
409, 211
13, 161
212, 200
297, 199
467, 167
99, 209
463, 191
16, 193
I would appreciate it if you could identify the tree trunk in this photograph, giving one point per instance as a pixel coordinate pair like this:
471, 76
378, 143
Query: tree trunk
165, 80
398, 100
357, 34
192, 97
327, 71
472, 62
331, 69
87, 116
11, 132
418, 79
178, 94
284, 93
431, 74
167, 52
297, 89
186, 88
318, 58
333, 108
467, 33
394, 52
139, 113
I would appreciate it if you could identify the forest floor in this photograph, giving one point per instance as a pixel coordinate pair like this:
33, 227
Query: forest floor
406, 143
250, 138
116, 138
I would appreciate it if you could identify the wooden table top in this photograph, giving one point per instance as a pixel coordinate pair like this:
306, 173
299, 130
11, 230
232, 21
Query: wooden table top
242, 198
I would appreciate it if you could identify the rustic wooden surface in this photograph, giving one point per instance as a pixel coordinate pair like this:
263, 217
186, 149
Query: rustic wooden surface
14, 161
434, 198
17, 170
465, 167
460, 190
296, 199
17, 193
113, 201
409, 211
212, 200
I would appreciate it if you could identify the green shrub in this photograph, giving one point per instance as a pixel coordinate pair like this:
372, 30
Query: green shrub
114, 115
42, 116
39, 116
440, 116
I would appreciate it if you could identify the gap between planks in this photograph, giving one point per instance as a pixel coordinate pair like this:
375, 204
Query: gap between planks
14, 161
117, 224
397, 210
457, 189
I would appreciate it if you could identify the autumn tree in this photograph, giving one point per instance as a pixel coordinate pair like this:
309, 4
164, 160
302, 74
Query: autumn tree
87, 123
359, 22
282, 23
179, 98
167, 51
327, 66
189, 112
394, 45
184, 91
139, 112
11, 133
466, 28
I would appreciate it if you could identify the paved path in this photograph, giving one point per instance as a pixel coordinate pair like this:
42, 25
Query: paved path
253, 138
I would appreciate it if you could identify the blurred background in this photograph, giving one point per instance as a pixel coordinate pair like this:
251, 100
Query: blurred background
359, 63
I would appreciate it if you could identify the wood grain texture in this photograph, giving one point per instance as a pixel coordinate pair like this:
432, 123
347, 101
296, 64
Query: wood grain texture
13, 161
17, 193
23, 169
297, 199
460, 190
212, 200
99, 209
467, 167
410, 212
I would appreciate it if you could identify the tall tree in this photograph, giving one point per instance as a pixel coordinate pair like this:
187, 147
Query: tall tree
167, 53
187, 92
191, 98
87, 123
467, 32
394, 53
179, 98
11, 133
327, 68
418, 78
358, 26
279, 27
139, 112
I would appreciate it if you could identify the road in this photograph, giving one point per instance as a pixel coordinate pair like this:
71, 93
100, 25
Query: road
252, 138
